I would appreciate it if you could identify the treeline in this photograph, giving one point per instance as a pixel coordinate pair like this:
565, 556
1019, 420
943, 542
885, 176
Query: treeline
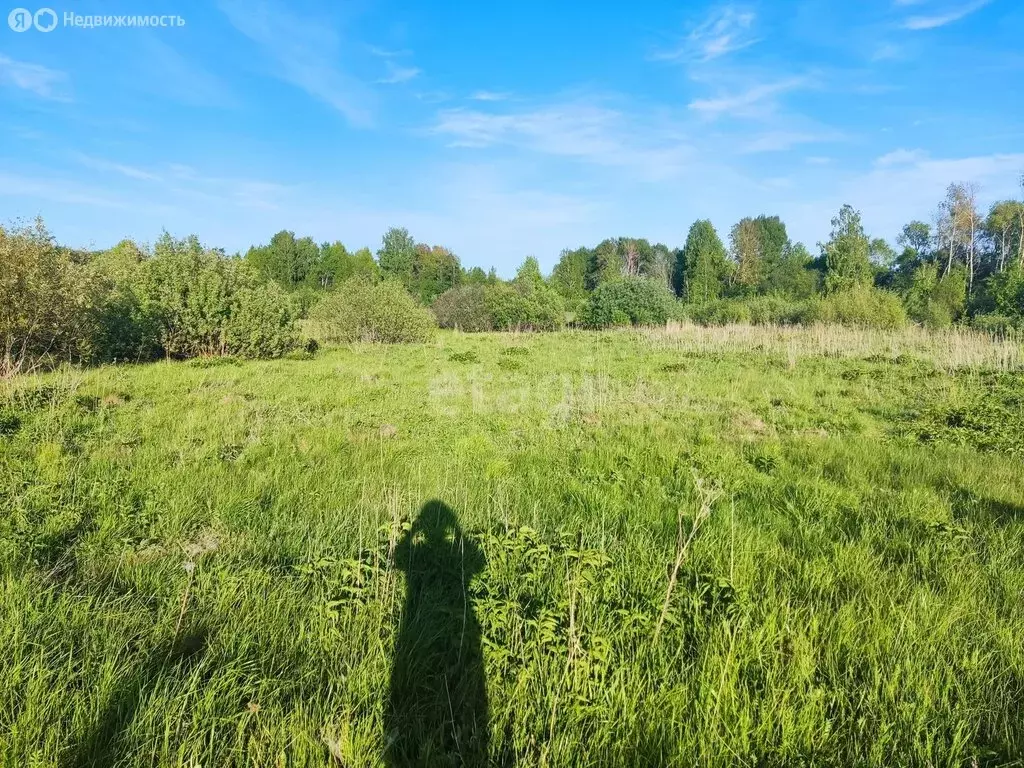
181, 299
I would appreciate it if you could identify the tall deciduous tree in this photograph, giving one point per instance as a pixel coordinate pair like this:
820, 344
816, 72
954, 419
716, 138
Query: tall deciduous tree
569, 276
745, 248
1004, 227
705, 263
847, 253
397, 255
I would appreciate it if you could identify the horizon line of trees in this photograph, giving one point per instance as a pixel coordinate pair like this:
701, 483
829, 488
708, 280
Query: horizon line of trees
181, 298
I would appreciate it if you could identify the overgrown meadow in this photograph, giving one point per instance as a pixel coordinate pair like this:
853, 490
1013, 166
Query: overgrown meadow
733, 546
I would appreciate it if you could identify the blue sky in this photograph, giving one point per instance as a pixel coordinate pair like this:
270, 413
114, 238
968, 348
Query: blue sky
503, 130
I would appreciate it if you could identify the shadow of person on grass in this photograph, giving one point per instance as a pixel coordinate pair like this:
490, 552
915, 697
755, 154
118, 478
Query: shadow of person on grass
437, 710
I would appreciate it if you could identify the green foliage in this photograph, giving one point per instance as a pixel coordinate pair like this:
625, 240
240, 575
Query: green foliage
791, 275
934, 301
860, 306
1003, 293
847, 254
757, 310
464, 308
995, 325
261, 322
987, 416
435, 270
703, 263
127, 321
397, 255
629, 301
289, 261
525, 304
47, 302
207, 304
378, 312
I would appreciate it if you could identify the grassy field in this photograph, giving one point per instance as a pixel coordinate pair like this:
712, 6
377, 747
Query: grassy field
681, 547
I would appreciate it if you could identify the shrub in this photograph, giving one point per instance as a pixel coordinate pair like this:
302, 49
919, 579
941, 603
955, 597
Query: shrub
933, 301
47, 302
859, 306
127, 322
996, 325
359, 310
208, 304
523, 306
629, 301
722, 312
261, 323
464, 307
757, 310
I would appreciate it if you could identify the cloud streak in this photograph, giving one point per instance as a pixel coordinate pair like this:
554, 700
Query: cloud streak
754, 101
934, 21
580, 130
725, 30
303, 51
42, 81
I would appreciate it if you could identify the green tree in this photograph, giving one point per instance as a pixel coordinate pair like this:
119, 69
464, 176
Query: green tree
286, 259
435, 270
475, 276
1004, 228
791, 276
364, 266
704, 263
847, 254
745, 249
333, 266
569, 276
397, 255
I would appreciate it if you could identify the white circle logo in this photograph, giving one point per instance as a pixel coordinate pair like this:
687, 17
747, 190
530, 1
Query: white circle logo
45, 19
20, 19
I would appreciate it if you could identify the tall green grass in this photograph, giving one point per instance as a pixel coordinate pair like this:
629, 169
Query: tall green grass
200, 562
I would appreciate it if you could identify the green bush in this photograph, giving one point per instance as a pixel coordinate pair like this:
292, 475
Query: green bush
934, 301
524, 306
996, 325
47, 302
721, 312
127, 322
629, 301
359, 310
858, 306
757, 310
261, 323
464, 307
208, 304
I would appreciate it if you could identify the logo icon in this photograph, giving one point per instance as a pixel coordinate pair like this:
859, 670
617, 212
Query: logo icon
20, 19
45, 20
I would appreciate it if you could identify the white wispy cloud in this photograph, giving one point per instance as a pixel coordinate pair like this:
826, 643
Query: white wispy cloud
780, 141
754, 101
583, 130
129, 171
490, 96
725, 30
305, 53
42, 81
944, 17
397, 74
901, 157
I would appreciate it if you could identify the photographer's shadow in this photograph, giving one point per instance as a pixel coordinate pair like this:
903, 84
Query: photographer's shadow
437, 709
